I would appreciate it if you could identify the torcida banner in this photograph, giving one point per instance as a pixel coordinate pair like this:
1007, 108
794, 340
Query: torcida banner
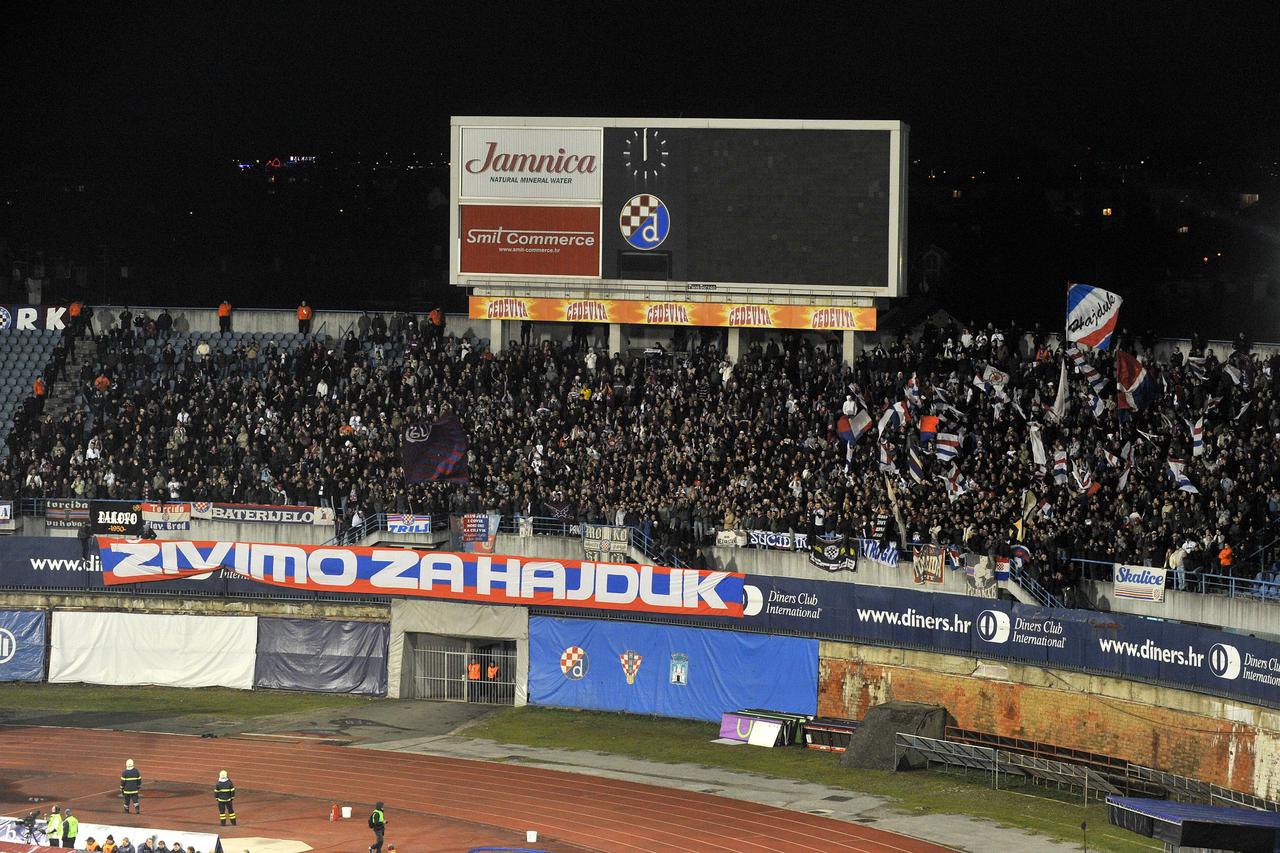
492, 579
674, 313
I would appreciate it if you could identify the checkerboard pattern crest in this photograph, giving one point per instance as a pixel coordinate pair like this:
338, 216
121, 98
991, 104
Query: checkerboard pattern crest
569, 660
637, 212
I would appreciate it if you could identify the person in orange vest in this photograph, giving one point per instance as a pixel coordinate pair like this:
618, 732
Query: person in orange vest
492, 671
304, 318
74, 312
435, 320
39, 388
224, 317
473, 680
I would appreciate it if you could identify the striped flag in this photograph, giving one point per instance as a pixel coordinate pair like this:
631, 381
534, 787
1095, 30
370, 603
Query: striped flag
1060, 466
1126, 455
1092, 376
915, 465
956, 483
1134, 386
1195, 368
1021, 555
1234, 372
947, 446
1091, 315
894, 417
886, 458
1197, 437
1180, 479
1097, 406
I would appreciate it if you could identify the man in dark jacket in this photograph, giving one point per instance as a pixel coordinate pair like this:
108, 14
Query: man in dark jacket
224, 791
131, 787
378, 823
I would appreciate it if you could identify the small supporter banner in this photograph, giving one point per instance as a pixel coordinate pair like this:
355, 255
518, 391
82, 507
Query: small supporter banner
167, 516
7, 521
263, 513
65, 512
780, 541
605, 543
1140, 582
115, 518
405, 522
927, 564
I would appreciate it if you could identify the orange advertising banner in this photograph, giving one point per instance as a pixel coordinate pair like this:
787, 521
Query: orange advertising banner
673, 313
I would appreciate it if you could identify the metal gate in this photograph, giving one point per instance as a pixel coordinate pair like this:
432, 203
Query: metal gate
464, 669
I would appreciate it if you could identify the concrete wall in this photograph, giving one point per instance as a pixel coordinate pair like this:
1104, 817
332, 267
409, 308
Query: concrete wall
1216, 740
333, 323
1246, 615
201, 606
222, 531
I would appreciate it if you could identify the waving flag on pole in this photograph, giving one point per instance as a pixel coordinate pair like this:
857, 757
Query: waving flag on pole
1059, 409
435, 451
915, 465
1060, 466
1180, 479
850, 429
1134, 387
1197, 437
947, 446
894, 417
1091, 315
1092, 376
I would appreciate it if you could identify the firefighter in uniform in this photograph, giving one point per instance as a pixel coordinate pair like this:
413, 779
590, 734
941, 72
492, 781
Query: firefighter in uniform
131, 787
224, 791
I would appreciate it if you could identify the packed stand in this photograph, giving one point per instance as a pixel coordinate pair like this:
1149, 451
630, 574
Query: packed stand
685, 446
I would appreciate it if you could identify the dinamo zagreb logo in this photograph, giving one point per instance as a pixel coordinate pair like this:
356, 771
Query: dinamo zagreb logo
6, 319
645, 222
574, 663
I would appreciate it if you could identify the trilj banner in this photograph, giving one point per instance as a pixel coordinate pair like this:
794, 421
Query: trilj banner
492, 579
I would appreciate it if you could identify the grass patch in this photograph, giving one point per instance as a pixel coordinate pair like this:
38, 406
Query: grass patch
923, 792
221, 702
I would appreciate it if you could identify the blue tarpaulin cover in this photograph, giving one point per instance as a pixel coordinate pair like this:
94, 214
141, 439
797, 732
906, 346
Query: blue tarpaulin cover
1197, 824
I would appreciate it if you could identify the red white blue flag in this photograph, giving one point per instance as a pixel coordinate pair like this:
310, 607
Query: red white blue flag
1091, 315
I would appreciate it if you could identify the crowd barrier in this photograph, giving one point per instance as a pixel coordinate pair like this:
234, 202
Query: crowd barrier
666, 670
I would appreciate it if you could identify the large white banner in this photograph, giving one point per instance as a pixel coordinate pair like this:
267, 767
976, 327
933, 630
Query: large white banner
145, 648
560, 163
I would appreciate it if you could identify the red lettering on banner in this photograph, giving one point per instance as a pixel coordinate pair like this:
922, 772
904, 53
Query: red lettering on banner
588, 311
507, 309
834, 318
750, 315
667, 314
558, 163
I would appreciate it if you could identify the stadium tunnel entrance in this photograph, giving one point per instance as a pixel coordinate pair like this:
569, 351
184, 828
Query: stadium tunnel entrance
462, 669
445, 650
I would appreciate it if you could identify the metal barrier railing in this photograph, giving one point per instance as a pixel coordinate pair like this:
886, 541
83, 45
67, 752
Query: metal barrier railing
1191, 581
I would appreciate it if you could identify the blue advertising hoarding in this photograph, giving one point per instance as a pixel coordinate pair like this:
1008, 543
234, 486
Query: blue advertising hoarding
642, 668
22, 642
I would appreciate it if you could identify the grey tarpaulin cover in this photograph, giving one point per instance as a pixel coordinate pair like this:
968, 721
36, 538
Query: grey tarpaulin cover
322, 656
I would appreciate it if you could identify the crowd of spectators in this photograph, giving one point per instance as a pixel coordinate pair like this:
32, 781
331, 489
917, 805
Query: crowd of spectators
686, 444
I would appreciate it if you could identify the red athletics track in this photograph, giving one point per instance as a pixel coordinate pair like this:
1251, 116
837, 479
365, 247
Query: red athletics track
565, 808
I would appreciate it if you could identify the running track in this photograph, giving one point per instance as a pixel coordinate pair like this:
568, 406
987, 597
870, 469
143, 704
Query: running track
594, 813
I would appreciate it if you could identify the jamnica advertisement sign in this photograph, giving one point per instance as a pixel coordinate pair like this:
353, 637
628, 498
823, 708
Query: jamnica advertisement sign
531, 163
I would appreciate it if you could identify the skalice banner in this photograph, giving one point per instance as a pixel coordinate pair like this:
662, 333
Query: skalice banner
778, 541
65, 512
167, 516
495, 579
1141, 582
261, 513
605, 542
673, 313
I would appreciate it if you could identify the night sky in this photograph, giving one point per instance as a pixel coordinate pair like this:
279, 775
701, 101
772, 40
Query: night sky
1012, 84
150, 108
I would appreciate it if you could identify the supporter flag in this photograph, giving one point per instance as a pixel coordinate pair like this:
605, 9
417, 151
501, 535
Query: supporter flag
928, 428
946, 446
1197, 437
1234, 372
1180, 479
955, 482
1046, 508
435, 451
1134, 387
850, 429
1060, 401
915, 465
1111, 459
1060, 466
1096, 405
1037, 447
894, 417
1092, 376
1002, 569
1091, 315
1087, 486
1020, 555
1196, 369
1243, 409
886, 458
913, 391
1126, 454
992, 381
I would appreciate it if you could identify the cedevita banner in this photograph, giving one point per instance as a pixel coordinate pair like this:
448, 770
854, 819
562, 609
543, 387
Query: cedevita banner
669, 313
493, 579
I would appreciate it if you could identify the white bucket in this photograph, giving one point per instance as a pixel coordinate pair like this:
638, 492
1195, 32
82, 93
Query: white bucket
346, 812
531, 836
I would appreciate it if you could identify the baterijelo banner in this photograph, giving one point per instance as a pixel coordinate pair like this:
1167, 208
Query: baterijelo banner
673, 313
492, 579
